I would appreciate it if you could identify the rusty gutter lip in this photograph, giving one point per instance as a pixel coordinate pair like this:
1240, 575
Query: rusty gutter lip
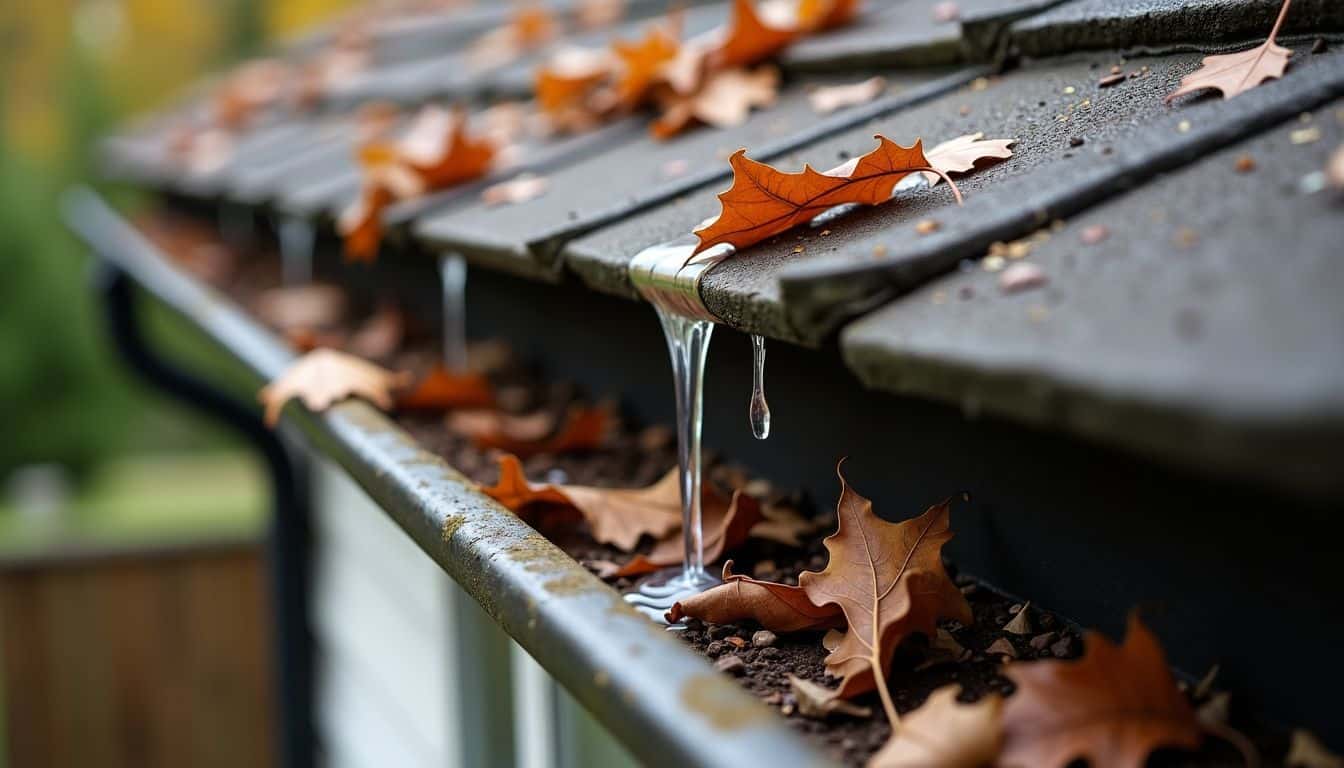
665, 703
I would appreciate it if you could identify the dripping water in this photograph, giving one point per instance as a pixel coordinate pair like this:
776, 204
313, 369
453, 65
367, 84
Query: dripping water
758, 413
453, 285
297, 237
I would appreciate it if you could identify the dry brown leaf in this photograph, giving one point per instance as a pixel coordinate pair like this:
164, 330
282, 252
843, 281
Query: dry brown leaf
777, 607
616, 516
1235, 73
763, 201
584, 429
324, 377
784, 525
818, 15
301, 307
725, 99
748, 39
960, 155
436, 152
441, 389
530, 27
517, 190
816, 701
830, 98
725, 526
944, 733
1306, 751
567, 79
381, 335
642, 64
1112, 707
889, 581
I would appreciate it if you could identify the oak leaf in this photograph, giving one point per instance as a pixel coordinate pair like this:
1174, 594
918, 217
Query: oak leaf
763, 201
777, 607
1112, 707
725, 99
726, 528
945, 734
324, 377
1235, 73
960, 155
889, 581
616, 516
442, 389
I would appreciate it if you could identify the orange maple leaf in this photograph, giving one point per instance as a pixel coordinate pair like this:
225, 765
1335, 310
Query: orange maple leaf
616, 516
726, 526
763, 201
724, 99
817, 15
1234, 73
566, 80
748, 39
441, 389
584, 429
642, 63
435, 153
1112, 707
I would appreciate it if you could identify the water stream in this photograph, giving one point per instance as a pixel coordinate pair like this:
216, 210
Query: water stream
453, 286
297, 238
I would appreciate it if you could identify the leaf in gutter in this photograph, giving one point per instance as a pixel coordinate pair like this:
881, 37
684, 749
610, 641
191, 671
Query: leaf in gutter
616, 516
442, 389
301, 307
381, 335
324, 377
944, 733
1112, 707
1235, 73
889, 581
816, 701
567, 79
777, 607
584, 429
763, 201
726, 526
960, 155
725, 99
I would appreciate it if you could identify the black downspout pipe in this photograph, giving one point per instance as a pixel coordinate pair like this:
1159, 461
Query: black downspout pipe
289, 530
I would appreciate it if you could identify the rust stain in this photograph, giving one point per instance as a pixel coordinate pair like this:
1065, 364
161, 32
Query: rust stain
719, 700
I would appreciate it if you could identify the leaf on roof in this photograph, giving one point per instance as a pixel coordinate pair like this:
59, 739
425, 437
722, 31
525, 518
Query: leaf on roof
1235, 73
960, 155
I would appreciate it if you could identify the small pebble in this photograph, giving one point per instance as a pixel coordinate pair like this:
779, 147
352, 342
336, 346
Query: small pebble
1245, 164
716, 649
927, 226
1094, 233
1022, 276
736, 642
764, 639
1109, 80
1319, 46
1183, 126
1076, 141
1043, 641
992, 263
1305, 135
1064, 648
732, 665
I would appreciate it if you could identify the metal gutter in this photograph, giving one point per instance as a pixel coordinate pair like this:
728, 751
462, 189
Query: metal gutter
661, 700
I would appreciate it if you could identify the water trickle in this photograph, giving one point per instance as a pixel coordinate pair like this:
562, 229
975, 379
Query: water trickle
759, 410
297, 236
453, 284
687, 345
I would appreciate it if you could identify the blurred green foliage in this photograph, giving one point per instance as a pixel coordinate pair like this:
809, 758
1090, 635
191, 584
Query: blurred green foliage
61, 398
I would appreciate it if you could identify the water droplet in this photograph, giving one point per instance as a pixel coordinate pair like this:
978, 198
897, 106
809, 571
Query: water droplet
453, 283
759, 410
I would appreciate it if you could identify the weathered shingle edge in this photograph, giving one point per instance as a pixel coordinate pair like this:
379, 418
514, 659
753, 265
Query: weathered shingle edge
820, 296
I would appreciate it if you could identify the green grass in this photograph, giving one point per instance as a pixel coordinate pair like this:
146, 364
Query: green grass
147, 500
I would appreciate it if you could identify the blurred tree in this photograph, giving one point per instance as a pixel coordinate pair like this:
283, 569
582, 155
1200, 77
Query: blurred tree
244, 30
60, 398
